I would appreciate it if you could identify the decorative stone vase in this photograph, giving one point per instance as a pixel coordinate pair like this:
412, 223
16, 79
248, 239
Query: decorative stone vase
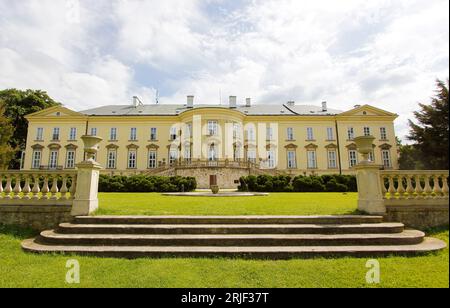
364, 145
215, 189
91, 144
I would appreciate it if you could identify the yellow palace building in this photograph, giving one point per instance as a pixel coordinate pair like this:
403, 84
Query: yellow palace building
211, 142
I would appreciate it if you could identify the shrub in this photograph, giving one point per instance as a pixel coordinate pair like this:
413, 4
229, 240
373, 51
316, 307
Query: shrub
143, 183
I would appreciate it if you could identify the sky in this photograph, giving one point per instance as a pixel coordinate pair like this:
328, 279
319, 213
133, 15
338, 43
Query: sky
90, 53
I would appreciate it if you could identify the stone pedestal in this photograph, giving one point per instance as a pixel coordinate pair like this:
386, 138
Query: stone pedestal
370, 198
86, 196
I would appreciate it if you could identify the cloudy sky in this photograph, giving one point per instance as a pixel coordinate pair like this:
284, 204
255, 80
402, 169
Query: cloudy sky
89, 53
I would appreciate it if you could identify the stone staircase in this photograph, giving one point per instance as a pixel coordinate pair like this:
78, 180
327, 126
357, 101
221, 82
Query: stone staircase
271, 237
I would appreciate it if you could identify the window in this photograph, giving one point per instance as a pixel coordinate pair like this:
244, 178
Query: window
187, 153
112, 159
40, 134
332, 160
312, 160
366, 131
36, 162
53, 161
212, 153
189, 130
251, 156
152, 159
153, 134
251, 134
113, 134
330, 134
133, 134
132, 158
353, 158
173, 133
93, 131
236, 130
383, 133
55, 136
237, 153
73, 134
290, 134
70, 159
269, 133
173, 156
22, 160
309, 133
371, 156
386, 156
351, 133
271, 159
213, 128
291, 160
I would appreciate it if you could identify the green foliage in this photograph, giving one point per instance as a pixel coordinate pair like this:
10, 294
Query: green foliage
143, 183
6, 132
18, 104
431, 132
325, 183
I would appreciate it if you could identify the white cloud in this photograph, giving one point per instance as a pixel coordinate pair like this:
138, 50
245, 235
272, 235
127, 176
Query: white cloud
386, 53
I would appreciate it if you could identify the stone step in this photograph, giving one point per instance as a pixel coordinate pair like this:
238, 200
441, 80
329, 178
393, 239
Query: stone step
273, 252
379, 228
209, 220
408, 237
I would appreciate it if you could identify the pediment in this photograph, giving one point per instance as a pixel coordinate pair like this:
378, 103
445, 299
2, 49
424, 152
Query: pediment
311, 146
367, 110
291, 146
56, 112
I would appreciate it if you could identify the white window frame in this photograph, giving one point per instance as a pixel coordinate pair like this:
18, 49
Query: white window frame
383, 133
56, 134
310, 133
352, 158
73, 133
133, 134
251, 156
367, 131
372, 156
386, 158
290, 134
132, 159
311, 159
330, 133
153, 134
113, 134
152, 159
94, 131
40, 134
70, 159
173, 134
212, 153
112, 159
271, 161
213, 128
269, 133
350, 133
291, 159
36, 159
53, 159
251, 134
332, 159
173, 156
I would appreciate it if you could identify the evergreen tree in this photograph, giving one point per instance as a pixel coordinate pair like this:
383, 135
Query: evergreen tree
6, 132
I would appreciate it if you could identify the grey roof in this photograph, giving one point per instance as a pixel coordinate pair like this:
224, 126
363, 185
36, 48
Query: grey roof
168, 109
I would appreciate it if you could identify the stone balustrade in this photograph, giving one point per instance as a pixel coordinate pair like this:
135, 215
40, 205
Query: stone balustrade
419, 185
37, 187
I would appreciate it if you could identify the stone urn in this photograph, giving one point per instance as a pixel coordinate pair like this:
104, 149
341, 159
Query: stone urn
91, 145
364, 145
215, 189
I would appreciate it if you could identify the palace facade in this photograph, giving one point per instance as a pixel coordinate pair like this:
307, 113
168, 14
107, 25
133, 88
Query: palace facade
211, 140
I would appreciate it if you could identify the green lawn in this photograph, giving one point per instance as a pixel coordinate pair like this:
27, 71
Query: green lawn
274, 204
18, 269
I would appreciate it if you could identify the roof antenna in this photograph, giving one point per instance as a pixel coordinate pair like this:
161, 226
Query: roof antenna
157, 97
137, 101
220, 96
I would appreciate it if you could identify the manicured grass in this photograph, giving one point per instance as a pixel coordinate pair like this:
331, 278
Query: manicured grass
274, 204
18, 269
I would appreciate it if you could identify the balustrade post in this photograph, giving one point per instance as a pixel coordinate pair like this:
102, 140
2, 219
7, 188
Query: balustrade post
437, 188
418, 189
444, 186
27, 188
409, 187
36, 190
427, 188
1, 186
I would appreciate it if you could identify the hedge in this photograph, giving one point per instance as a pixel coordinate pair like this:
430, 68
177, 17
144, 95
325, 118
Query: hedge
143, 183
284, 183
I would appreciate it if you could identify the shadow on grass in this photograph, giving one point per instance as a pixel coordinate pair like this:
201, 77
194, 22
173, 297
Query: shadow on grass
18, 232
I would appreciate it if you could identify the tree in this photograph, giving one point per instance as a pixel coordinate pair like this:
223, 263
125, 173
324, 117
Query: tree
18, 104
431, 132
6, 132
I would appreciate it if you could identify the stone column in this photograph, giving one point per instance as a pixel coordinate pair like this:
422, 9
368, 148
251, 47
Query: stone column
370, 197
86, 196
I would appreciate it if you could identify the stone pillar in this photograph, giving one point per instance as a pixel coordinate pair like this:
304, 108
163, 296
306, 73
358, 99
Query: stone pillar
370, 196
86, 195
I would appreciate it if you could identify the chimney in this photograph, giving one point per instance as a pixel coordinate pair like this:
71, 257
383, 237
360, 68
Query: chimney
357, 106
233, 103
324, 107
248, 102
190, 101
291, 103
